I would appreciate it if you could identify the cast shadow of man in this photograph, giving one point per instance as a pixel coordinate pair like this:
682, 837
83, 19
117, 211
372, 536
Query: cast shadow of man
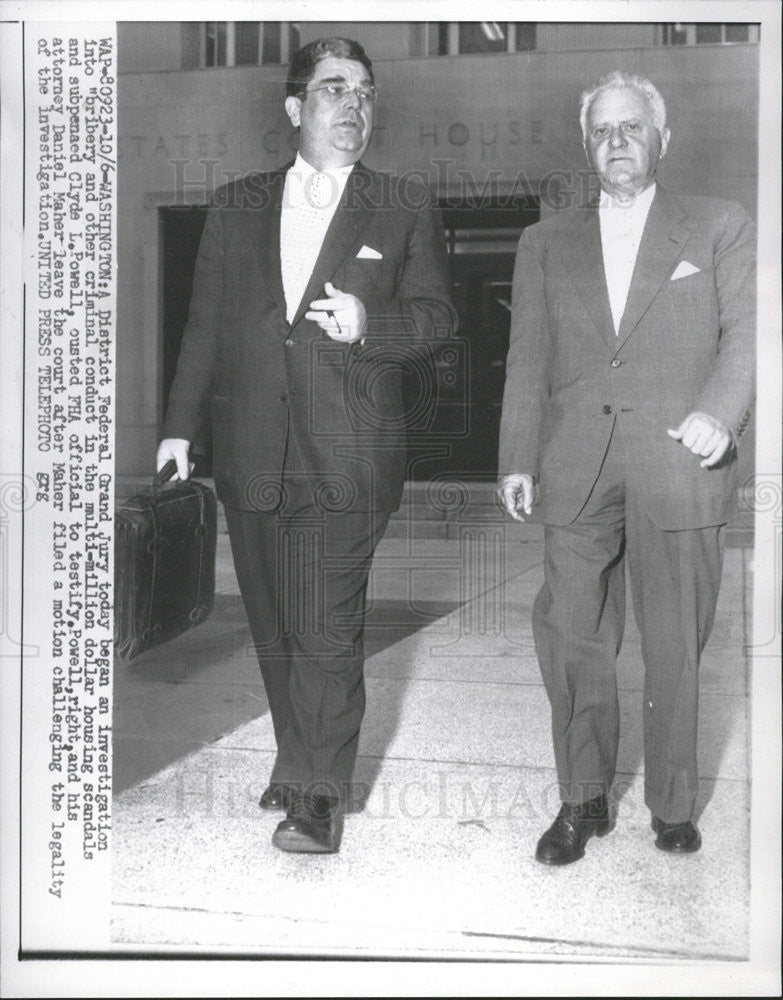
174, 699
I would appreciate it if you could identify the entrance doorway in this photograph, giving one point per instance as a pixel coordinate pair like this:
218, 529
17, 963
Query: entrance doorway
180, 233
467, 372
482, 235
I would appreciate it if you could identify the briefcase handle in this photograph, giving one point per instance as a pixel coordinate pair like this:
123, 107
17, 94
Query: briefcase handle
165, 473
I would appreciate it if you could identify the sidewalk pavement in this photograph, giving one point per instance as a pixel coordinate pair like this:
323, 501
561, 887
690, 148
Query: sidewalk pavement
456, 745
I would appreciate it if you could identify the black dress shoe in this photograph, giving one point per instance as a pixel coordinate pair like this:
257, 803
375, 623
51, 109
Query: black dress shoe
564, 841
312, 825
676, 838
275, 796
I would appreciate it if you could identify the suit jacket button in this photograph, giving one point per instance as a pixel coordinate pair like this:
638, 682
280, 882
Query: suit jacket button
283, 398
606, 408
289, 343
616, 363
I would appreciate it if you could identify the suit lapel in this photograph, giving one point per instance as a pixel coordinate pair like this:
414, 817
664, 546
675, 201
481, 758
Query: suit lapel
265, 223
351, 217
660, 247
581, 250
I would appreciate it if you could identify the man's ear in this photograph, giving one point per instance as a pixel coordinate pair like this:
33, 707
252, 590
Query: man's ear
586, 151
665, 136
293, 108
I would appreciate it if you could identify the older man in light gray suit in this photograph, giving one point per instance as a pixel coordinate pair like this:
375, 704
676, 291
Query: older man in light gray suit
629, 383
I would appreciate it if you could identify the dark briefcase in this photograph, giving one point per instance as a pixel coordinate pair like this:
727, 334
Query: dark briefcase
164, 563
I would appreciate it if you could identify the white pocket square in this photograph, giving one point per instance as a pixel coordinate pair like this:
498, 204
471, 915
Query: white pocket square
683, 269
367, 253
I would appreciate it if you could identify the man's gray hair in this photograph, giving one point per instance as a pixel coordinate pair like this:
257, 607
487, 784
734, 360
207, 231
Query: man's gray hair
621, 81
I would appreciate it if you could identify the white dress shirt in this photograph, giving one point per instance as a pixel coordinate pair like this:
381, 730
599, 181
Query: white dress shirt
622, 225
310, 199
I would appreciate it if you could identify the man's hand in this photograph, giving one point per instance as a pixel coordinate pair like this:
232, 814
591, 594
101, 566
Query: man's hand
517, 494
176, 448
341, 315
703, 435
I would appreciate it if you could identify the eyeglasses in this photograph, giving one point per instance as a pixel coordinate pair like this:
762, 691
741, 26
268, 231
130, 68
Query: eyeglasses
337, 92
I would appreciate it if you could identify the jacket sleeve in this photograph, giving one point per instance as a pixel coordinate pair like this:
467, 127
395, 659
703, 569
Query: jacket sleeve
526, 392
187, 413
421, 303
728, 391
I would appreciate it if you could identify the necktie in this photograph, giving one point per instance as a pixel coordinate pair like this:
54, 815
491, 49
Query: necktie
620, 249
317, 191
306, 225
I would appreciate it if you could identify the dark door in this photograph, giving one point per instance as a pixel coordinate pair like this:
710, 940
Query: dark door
482, 295
180, 233
467, 372
482, 234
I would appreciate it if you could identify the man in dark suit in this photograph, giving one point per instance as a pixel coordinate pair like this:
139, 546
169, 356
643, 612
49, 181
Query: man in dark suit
629, 383
311, 284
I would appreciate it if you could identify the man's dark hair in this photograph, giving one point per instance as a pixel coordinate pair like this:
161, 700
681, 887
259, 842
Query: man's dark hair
303, 64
